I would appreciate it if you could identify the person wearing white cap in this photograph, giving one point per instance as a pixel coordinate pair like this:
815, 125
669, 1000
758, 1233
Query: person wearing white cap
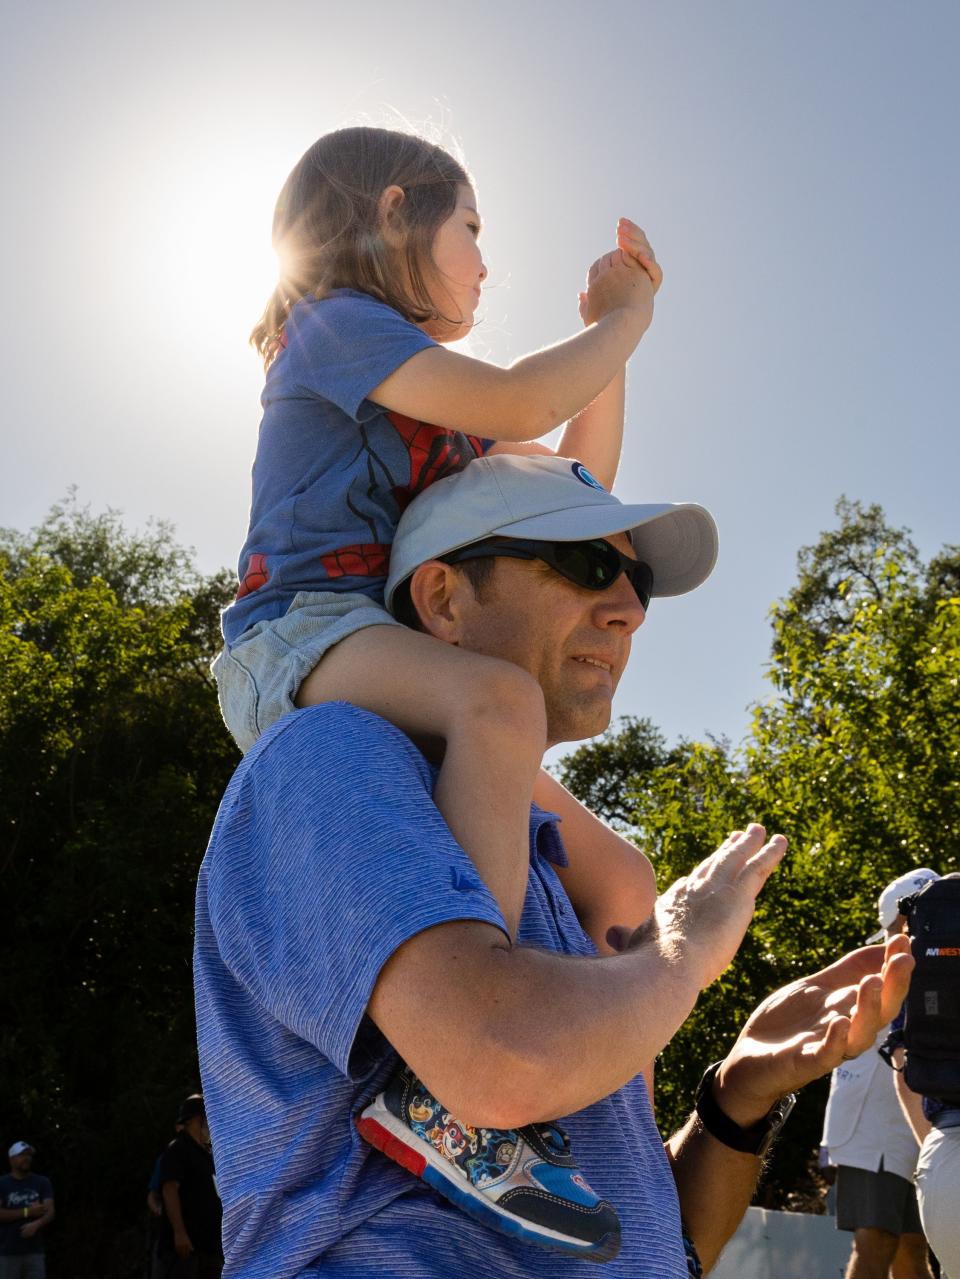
888, 910
338, 920
26, 1209
872, 1146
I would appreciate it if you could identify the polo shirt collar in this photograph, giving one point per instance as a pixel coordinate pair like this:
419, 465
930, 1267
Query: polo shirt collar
545, 838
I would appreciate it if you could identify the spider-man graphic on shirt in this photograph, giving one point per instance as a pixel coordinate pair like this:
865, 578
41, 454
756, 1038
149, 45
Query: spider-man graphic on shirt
433, 453
334, 470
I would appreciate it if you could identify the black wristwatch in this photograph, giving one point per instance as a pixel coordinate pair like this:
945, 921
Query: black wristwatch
755, 1140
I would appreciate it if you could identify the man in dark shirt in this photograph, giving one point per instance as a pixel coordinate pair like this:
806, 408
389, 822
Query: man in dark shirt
26, 1208
189, 1246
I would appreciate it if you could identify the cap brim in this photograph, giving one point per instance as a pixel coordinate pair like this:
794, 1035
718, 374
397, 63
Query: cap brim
879, 935
678, 541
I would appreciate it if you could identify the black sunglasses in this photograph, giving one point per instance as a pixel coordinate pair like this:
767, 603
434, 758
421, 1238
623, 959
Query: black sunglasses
594, 565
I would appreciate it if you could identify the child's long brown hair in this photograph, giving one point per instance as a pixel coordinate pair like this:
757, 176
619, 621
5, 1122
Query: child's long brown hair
326, 226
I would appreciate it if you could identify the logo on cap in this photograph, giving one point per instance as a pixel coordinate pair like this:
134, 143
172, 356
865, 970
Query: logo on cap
584, 476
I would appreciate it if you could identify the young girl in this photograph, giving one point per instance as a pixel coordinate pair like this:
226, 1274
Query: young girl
364, 406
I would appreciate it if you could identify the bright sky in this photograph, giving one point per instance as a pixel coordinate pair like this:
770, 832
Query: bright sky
795, 166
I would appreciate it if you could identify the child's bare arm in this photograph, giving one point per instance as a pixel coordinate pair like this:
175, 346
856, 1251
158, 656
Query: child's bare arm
595, 434
609, 881
540, 391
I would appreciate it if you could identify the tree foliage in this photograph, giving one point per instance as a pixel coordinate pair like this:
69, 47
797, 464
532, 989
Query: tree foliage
855, 758
112, 761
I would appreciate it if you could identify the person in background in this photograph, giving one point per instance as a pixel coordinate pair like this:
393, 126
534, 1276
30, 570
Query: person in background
189, 1246
26, 1209
872, 1146
155, 1219
936, 1125
154, 1197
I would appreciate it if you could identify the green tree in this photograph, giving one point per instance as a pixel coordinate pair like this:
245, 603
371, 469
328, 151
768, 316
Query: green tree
607, 774
855, 758
112, 762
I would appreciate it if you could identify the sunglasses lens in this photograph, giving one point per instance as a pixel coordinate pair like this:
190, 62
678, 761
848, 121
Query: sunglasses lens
642, 578
594, 565
597, 565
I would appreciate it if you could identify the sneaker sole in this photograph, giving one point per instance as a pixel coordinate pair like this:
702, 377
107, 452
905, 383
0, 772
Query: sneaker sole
381, 1129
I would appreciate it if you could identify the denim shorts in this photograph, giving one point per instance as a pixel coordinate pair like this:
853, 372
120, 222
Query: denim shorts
259, 674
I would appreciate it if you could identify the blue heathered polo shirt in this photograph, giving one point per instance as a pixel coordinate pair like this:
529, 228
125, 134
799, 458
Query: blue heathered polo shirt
327, 854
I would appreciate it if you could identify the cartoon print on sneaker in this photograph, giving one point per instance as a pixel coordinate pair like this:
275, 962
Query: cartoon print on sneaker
523, 1182
458, 1142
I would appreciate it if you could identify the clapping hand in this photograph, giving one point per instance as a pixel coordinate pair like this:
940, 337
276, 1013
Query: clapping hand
804, 1030
629, 275
633, 243
699, 922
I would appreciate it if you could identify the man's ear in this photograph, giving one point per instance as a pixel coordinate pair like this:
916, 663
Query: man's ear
438, 593
389, 217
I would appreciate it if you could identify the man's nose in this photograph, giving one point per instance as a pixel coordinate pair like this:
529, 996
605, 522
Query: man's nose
619, 606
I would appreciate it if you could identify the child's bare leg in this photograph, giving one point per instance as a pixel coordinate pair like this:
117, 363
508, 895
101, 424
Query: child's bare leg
489, 713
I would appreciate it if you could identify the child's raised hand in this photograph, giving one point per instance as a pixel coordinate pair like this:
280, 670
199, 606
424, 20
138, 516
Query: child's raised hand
617, 280
632, 241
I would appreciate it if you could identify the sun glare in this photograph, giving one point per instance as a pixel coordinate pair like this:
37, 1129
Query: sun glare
214, 256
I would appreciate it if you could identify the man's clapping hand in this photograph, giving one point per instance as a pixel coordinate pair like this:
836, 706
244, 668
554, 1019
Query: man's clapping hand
699, 922
806, 1029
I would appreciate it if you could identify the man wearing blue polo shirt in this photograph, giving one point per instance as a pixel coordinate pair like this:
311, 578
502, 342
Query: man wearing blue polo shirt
338, 921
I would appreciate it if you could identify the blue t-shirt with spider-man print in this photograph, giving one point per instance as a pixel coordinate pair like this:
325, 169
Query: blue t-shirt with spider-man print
334, 471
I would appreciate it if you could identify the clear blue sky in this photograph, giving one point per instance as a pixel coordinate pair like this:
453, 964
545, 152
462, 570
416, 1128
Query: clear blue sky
794, 165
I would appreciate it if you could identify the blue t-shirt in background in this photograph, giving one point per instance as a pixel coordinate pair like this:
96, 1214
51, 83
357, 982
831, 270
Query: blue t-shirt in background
21, 1192
334, 471
328, 853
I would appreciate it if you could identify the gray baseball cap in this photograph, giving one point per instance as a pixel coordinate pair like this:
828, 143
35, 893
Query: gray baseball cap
550, 499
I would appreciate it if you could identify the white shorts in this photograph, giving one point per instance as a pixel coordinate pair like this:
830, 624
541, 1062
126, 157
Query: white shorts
938, 1190
259, 674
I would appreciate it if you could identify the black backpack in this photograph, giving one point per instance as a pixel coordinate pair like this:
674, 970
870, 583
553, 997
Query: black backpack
931, 1029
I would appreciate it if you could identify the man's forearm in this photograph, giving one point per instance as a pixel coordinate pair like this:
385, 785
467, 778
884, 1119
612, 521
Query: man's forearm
26, 1213
171, 1202
797, 1034
48, 1214
910, 1102
714, 1184
550, 1034
534, 1012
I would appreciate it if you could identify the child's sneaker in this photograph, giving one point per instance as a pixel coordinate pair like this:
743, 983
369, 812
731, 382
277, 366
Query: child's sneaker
522, 1181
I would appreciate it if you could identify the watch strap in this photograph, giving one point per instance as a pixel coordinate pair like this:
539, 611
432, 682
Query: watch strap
754, 1140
